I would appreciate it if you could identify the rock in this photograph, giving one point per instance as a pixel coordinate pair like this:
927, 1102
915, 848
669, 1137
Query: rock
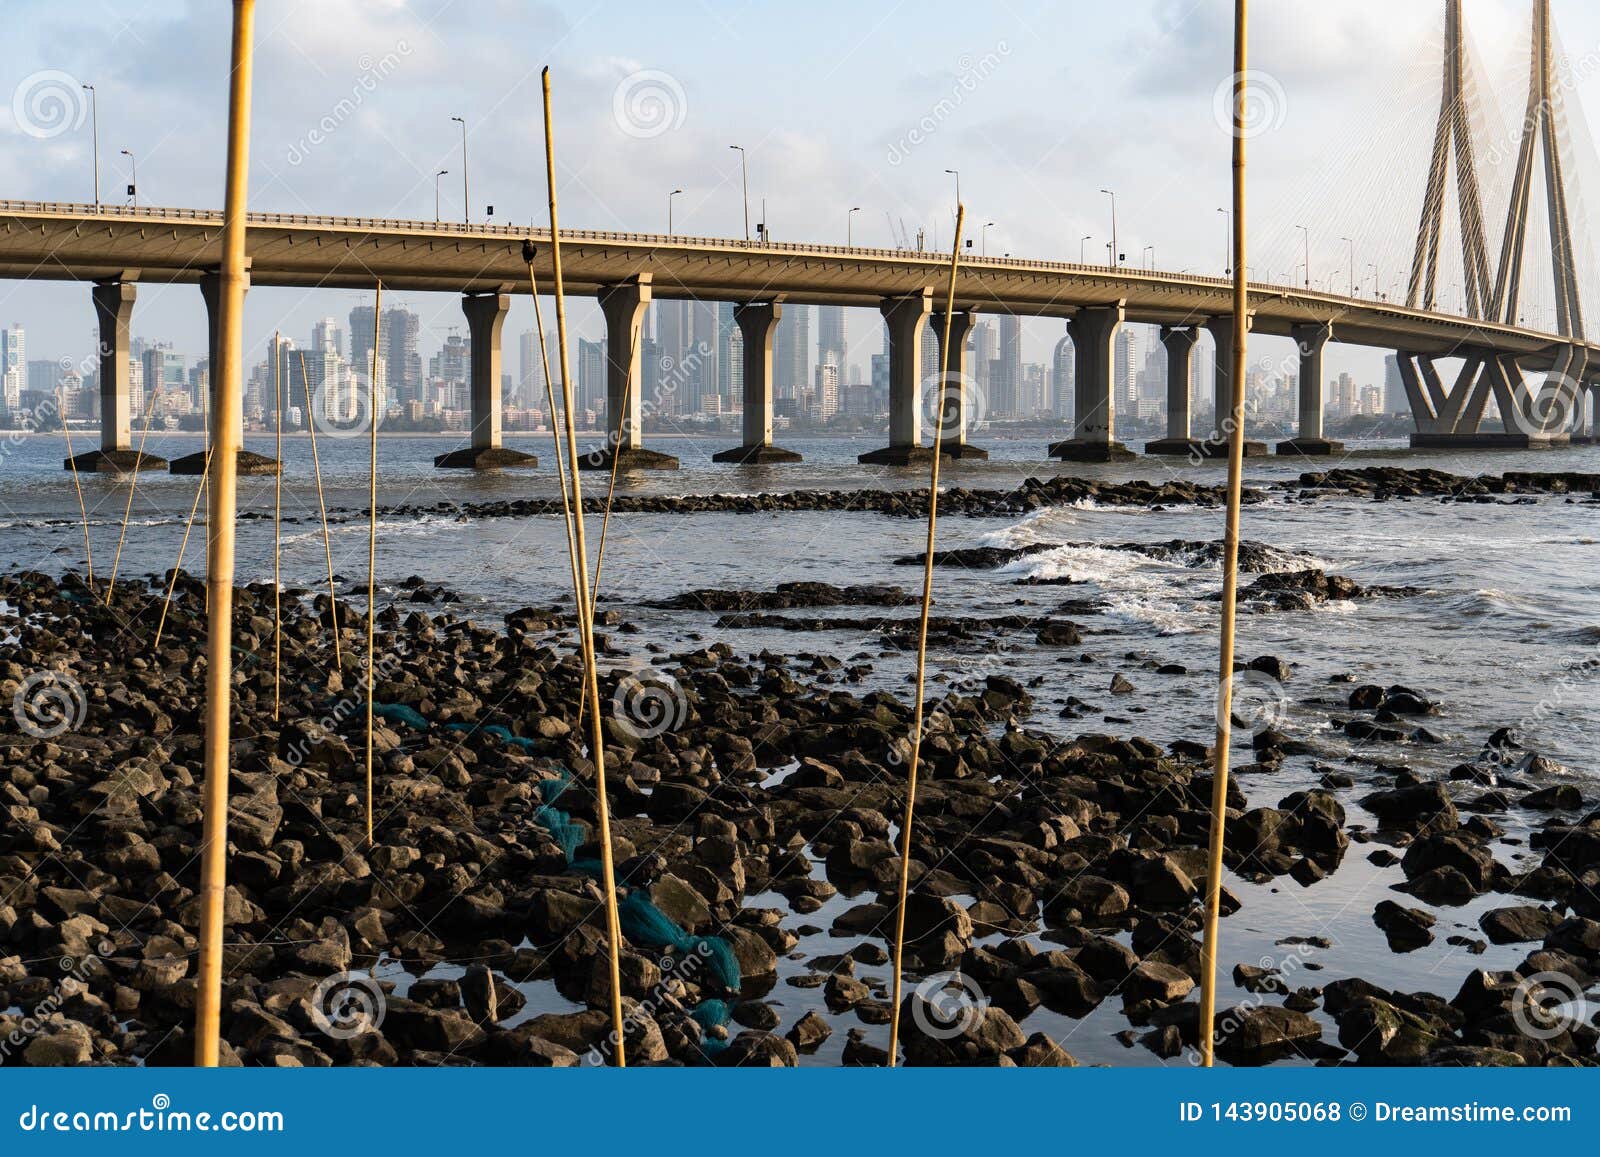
955, 1032
1160, 883
809, 1032
1518, 924
1264, 1029
61, 1043
1155, 981
1407, 929
757, 1050
1039, 1052
1411, 807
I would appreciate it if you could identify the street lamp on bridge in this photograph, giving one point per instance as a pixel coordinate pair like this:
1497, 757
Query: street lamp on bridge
1150, 249
956, 173
1307, 233
466, 198
1116, 255
849, 223
983, 239
1087, 237
133, 182
1352, 245
1227, 242
94, 119
436, 176
744, 178
671, 195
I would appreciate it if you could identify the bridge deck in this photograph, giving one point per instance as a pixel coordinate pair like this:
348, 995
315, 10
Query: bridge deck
61, 241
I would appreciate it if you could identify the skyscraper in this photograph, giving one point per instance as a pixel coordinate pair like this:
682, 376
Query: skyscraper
730, 358
1063, 378
1125, 379
1005, 372
403, 365
592, 376
674, 336
530, 370
831, 336
1394, 386
13, 363
791, 352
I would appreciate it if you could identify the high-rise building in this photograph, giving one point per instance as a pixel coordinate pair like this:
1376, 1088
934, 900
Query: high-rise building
827, 390
326, 334
1125, 376
730, 358
982, 346
699, 379
831, 336
167, 371
592, 375
398, 335
13, 365
1063, 378
529, 390
791, 352
1394, 387
674, 328
1005, 371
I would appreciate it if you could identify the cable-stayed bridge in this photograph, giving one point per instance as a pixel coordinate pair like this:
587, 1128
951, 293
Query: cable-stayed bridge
1476, 325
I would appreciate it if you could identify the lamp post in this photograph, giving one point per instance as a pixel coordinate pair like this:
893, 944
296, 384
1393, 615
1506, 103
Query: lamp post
744, 178
94, 121
1114, 250
1352, 245
849, 222
1227, 242
671, 195
436, 176
956, 173
983, 238
1084, 240
1150, 249
466, 197
134, 183
1307, 233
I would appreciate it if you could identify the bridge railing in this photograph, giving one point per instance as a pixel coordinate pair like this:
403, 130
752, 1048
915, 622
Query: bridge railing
661, 240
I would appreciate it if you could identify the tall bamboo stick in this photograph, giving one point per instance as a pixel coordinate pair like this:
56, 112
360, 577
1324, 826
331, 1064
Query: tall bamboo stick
277, 534
922, 652
227, 432
83, 510
1230, 560
581, 591
372, 534
133, 483
322, 507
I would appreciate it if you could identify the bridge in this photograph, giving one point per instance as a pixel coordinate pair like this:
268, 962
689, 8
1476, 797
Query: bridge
1539, 380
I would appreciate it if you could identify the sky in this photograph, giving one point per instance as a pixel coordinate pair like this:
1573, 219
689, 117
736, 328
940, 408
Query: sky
1040, 106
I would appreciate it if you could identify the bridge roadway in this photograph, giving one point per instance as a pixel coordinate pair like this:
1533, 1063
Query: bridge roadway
117, 248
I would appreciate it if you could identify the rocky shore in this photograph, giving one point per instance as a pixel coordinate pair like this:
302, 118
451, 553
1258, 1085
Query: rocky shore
751, 796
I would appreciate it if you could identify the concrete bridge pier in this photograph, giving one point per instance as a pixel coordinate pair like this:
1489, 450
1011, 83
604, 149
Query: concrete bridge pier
951, 405
1215, 444
624, 306
249, 462
1093, 330
904, 317
113, 306
1179, 342
1309, 440
757, 323
486, 317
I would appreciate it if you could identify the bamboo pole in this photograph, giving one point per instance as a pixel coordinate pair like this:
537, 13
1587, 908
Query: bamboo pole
183, 546
227, 432
133, 482
922, 653
277, 534
581, 592
322, 506
83, 511
1230, 559
372, 534
555, 430
611, 489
